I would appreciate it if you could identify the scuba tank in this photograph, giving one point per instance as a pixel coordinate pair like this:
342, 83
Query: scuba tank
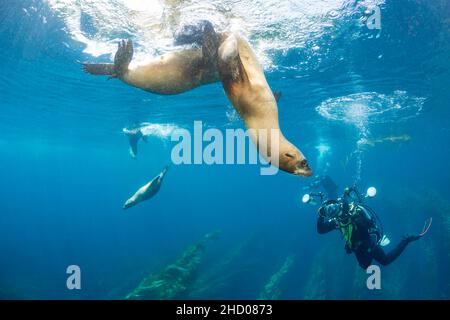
353, 215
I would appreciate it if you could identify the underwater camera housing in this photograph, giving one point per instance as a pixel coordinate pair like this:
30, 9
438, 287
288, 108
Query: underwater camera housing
351, 194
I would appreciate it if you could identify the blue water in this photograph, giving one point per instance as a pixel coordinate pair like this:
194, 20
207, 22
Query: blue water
65, 169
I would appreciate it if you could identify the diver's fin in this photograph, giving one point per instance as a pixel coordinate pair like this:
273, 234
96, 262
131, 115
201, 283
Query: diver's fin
426, 227
102, 69
277, 95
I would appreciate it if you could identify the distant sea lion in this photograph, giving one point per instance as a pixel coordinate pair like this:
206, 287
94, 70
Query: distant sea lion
246, 86
134, 135
147, 191
393, 139
172, 73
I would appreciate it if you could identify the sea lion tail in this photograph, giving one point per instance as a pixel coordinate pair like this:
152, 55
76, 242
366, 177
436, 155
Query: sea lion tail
133, 141
164, 171
133, 150
162, 174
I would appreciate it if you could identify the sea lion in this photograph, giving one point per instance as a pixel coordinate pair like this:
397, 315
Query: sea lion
174, 72
247, 88
147, 191
171, 73
134, 135
373, 142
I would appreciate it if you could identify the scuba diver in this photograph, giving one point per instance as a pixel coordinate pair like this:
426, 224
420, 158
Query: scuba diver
360, 227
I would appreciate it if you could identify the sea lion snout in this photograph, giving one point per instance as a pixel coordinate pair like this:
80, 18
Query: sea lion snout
303, 169
294, 162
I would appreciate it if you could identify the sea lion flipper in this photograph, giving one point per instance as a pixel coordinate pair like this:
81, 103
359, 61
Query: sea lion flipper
133, 141
123, 57
133, 148
210, 43
202, 34
98, 68
277, 95
164, 171
230, 64
133, 138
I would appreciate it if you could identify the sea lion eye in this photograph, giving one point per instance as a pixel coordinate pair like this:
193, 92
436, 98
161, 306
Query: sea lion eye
304, 163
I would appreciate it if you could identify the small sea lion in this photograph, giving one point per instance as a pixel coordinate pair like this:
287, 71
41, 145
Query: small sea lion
134, 135
393, 139
147, 191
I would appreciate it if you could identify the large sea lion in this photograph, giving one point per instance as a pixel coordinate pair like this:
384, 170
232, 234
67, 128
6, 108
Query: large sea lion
222, 56
147, 191
246, 86
171, 73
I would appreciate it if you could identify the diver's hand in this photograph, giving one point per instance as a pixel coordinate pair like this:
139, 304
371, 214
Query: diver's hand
123, 57
411, 237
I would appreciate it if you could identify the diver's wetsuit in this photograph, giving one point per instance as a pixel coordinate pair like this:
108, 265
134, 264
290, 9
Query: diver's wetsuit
365, 244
